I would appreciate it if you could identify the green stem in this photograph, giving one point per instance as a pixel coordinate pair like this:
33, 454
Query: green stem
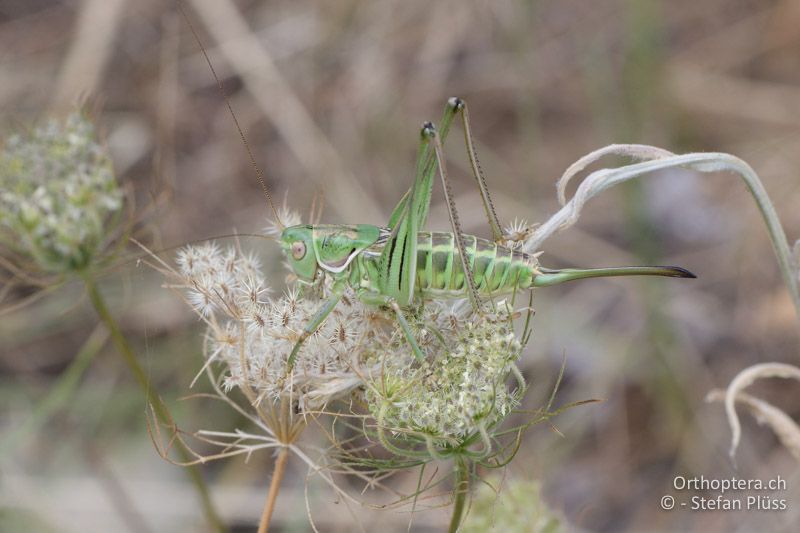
60, 392
460, 491
158, 406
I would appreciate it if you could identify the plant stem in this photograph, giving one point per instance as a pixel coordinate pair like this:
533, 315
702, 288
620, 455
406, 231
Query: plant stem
274, 487
158, 406
460, 491
60, 392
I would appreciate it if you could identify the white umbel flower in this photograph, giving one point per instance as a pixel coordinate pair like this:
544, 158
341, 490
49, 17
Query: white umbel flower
252, 333
457, 390
58, 194
459, 387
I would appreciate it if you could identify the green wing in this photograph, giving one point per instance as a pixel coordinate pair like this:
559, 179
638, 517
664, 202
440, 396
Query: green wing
398, 263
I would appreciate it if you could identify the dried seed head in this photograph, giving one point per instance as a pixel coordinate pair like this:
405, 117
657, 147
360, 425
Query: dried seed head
288, 217
516, 233
252, 333
459, 387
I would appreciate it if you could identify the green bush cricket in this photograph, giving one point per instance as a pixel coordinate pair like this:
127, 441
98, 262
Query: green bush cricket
401, 264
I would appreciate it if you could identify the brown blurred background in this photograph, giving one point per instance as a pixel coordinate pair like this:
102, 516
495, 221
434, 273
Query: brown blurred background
331, 96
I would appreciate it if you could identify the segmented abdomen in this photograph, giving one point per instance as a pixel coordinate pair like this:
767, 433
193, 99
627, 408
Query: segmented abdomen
496, 269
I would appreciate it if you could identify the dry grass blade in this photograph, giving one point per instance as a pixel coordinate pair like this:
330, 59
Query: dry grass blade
603, 179
88, 56
786, 429
281, 104
640, 152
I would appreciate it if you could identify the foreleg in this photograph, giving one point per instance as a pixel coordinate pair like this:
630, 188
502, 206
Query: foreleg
337, 290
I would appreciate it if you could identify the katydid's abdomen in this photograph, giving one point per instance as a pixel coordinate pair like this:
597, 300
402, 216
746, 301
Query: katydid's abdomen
496, 269
439, 274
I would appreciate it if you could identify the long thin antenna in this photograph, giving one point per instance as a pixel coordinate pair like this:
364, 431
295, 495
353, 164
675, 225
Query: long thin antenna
221, 86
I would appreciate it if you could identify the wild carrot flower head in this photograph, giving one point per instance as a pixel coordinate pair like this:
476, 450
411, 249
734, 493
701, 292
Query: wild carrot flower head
58, 192
445, 405
460, 387
252, 332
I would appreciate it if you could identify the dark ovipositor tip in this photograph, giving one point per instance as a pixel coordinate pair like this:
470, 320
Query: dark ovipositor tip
680, 272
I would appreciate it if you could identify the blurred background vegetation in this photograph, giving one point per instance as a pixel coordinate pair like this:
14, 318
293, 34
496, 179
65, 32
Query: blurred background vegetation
331, 96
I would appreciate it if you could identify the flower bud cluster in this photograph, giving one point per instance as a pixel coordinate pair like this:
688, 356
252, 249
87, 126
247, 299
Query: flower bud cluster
459, 386
57, 192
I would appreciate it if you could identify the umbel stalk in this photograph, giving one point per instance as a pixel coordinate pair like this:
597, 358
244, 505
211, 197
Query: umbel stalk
159, 408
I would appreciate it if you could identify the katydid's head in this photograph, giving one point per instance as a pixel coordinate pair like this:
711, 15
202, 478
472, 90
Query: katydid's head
297, 243
331, 247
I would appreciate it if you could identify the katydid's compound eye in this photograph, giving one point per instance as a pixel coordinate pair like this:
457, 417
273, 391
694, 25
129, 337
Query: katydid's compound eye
298, 250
